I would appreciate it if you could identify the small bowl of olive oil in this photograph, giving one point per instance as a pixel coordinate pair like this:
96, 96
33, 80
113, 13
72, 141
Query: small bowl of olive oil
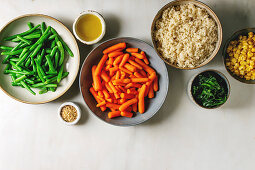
89, 27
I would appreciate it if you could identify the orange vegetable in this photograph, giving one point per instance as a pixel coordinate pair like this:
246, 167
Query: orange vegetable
128, 103
138, 55
124, 59
126, 96
100, 94
125, 70
131, 91
106, 94
115, 47
112, 105
155, 84
115, 54
134, 107
147, 68
126, 114
96, 79
108, 88
135, 64
132, 50
94, 93
100, 65
151, 92
110, 61
133, 85
139, 80
114, 114
122, 81
138, 75
141, 95
130, 67
118, 60
143, 73
113, 87
117, 75
104, 76
101, 104
145, 58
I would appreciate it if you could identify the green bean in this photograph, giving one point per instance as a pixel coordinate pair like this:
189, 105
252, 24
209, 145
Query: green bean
51, 67
53, 51
8, 56
17, 72
64, 44
39, 72
30, 25
36, 50
17, 84
33, 65
56, 59
48, 76
52, 37
15, 66
44, 36
27, 80
2, 47
23, 52
20, 78
43, 27
12, 52
52, 89
28, 62
24, 40
59, 77
62, 53
54, 79
14, 59
21, 34
27, 87
44, 90
53, 44
48, 50
27, 37
23, 58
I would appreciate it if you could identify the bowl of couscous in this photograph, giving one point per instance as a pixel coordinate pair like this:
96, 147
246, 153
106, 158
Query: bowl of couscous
239, 55
186, 34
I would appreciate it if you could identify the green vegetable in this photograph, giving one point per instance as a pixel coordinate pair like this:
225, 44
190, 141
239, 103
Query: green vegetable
209, 89
37, 60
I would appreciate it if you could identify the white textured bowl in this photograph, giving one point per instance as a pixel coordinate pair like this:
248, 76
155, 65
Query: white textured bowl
18, 25
102, 22
78, 113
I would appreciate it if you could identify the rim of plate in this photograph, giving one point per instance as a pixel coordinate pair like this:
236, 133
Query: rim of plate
76, 45
161, 103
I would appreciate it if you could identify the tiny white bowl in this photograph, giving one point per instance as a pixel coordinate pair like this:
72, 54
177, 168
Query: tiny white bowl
102, 22
78, 113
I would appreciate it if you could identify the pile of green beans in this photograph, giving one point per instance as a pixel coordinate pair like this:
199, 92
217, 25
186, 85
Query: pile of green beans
37, 61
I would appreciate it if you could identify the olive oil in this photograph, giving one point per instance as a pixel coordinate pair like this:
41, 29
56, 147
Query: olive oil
89, 27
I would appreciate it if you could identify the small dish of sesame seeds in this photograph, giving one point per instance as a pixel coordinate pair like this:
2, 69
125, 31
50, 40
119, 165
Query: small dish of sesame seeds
69, 113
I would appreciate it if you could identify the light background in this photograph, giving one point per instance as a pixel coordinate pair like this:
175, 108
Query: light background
180, 136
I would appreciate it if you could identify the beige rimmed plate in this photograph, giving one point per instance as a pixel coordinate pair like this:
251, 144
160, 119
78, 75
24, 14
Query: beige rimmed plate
18, 25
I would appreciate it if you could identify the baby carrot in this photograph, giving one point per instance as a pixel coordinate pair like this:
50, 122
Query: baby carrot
147, 68
113, 87
96, 79
125, 105
143, 73
141, 95
94, 93
139, 80
117, 75
100, 94
108, 88
113, 114
106, 94
145, 58
125, 70
101, 64
124, 59
131, 91
122, 81
126, 114
109, 100
112, 105
122, 89
155, 84
121, 101
138, 55
151, 92
132, 50
126, 96
110, 61
115, 54
133, 85
101, 104
118, 60
138, 75
135, 64
130, 67
115, 47
104, 76
134, 107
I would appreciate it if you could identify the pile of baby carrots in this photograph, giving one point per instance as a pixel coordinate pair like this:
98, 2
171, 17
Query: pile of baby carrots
122, 79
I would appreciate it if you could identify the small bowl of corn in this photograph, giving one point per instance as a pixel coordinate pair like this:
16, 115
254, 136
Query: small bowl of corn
239, 55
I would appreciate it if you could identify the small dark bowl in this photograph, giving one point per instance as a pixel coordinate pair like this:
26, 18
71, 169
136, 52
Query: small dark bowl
152, 105
225, 54
221, 75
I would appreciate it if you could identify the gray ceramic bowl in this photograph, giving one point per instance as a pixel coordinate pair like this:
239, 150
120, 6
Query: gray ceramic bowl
225, 55
152, 105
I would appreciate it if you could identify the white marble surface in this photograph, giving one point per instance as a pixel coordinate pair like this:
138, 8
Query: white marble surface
180, 137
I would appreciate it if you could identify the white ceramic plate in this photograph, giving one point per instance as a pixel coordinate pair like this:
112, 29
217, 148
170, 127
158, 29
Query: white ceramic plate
19, 25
